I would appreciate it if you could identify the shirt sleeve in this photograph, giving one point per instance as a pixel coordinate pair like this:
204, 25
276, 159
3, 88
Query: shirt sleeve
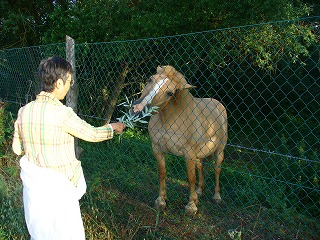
79, 128
17, 140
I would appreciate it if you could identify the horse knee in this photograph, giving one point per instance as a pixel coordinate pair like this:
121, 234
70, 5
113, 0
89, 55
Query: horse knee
199, 191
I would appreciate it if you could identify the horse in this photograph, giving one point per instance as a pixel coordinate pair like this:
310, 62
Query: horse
189, 127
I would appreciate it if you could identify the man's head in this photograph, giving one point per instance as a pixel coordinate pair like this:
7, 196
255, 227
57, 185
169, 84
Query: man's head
51, 70
56, 76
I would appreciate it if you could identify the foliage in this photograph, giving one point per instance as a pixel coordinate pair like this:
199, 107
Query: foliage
114, 20
130, 118
24, 24
269, 44
5, 130
2, 128
121, 20
261, 47
11, 211
265, 74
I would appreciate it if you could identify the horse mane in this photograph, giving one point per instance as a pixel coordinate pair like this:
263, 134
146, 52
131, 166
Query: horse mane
174, 75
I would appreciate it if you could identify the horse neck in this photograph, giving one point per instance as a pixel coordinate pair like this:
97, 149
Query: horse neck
180, 102
183, 98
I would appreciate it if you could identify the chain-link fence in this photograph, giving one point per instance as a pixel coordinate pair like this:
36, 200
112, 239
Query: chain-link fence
267, 79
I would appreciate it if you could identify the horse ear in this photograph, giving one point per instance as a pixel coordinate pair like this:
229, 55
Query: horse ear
160, 69
169, 71
188, 86
181, 81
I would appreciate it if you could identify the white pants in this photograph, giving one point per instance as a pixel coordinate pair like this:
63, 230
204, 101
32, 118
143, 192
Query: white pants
51, 203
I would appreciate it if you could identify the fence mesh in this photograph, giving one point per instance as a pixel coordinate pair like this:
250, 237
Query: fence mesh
268, 81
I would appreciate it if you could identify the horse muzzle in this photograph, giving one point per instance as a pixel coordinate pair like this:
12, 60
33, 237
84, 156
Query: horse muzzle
138, 106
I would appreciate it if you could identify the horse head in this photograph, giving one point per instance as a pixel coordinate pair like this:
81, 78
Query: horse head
161, 88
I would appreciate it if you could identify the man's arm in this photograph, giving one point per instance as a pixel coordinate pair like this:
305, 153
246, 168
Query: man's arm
17, 141
79, 128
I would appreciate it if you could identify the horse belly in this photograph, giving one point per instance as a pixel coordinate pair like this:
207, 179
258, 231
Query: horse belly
169, 143
203, 149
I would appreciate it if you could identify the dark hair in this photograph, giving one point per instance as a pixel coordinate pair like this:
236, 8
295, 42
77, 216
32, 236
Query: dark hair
51, 69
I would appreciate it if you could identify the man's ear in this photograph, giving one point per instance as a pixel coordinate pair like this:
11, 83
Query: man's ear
59, 83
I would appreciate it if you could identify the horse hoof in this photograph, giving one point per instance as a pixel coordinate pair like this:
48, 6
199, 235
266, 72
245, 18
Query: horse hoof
199, 192
217, 198
160, 203
191, 208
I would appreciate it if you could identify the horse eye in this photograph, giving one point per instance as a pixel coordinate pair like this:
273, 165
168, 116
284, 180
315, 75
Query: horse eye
169, 94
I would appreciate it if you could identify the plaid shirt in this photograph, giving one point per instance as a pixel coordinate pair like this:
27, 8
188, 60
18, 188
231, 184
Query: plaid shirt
45, 129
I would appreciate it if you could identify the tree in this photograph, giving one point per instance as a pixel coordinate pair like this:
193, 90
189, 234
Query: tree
28, 23
22, 22
112, 20
109, 20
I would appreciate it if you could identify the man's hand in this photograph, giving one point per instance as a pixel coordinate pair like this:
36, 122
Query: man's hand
118, 127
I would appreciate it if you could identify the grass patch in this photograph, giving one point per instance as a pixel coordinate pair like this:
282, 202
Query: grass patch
12, 225
123, 184
265, 196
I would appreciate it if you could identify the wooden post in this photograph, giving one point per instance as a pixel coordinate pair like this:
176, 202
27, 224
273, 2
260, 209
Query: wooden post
2, 133
72, 96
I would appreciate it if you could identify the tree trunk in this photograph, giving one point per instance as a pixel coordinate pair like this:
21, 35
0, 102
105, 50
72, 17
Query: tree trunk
116, 90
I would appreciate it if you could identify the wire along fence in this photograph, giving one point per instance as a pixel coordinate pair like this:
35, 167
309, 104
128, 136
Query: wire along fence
266, 76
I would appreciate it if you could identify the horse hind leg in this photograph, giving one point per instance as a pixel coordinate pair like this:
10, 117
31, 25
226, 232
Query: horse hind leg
219, 159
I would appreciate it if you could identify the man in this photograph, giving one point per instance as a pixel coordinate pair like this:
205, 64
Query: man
52, 177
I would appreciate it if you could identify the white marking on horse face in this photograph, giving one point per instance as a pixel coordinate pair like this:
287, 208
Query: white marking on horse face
147, 99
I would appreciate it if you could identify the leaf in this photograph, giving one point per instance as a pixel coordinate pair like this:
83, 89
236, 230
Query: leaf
143, 121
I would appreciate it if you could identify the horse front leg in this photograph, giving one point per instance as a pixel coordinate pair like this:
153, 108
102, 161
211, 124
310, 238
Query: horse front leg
191, 207
201, 184
160, 202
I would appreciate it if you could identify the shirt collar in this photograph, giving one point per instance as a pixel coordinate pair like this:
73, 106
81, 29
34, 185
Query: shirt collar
48, 97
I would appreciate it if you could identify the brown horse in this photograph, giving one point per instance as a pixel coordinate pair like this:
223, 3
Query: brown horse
193, 128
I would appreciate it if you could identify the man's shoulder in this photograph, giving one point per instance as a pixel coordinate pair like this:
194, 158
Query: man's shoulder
28, 105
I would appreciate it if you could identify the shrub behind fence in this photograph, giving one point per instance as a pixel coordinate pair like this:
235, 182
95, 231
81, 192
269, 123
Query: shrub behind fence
270, 176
